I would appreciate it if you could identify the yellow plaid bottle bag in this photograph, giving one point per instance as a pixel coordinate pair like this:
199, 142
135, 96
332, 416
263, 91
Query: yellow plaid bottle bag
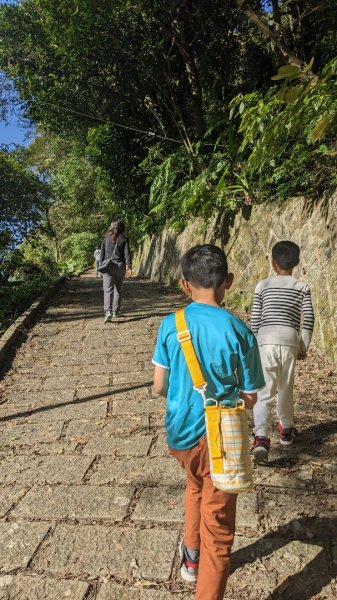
226, 427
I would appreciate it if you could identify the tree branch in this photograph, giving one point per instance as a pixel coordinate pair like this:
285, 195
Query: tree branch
263, 26
193, 78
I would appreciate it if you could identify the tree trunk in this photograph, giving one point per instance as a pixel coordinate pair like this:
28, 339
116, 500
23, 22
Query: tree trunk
276, 12
196, 100
193, 78
263, 26
277, 18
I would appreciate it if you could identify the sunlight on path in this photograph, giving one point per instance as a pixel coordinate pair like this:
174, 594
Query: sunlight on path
91, 504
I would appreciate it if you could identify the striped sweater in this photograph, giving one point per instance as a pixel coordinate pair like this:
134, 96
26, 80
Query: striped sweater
282, 312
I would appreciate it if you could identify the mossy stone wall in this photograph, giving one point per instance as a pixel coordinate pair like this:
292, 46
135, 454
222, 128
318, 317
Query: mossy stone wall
247, 240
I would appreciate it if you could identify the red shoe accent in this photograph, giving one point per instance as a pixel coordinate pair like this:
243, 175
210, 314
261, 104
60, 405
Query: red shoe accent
288, 435
191, 565
261, 440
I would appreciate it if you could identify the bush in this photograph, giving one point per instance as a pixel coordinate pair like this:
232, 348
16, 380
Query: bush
37, 257
15, 297
78, 252
269, 145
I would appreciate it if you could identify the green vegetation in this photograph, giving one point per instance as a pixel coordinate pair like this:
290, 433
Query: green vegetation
158, 112
77, 251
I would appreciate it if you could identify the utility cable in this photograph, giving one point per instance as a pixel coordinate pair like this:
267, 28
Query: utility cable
129, 127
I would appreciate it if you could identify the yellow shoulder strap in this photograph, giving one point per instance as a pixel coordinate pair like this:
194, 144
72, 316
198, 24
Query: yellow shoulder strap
184, 338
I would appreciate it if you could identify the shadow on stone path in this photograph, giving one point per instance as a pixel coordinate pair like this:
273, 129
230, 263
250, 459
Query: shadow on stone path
90, 502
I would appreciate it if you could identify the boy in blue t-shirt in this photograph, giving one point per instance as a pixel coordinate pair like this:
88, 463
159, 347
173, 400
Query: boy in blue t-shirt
230, 362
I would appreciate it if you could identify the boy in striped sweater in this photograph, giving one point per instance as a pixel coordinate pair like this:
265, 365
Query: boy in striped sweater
282, 320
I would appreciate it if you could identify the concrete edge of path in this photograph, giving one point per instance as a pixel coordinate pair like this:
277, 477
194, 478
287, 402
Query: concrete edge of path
11, 334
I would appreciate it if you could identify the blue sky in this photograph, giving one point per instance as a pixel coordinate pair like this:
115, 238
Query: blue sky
14, 130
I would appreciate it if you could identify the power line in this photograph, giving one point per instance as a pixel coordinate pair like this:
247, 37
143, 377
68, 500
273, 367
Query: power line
121, 125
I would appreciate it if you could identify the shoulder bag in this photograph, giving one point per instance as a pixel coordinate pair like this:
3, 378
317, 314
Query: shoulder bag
104, 267
226, 427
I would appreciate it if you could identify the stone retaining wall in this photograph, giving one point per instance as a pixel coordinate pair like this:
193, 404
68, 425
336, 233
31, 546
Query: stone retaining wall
247, 240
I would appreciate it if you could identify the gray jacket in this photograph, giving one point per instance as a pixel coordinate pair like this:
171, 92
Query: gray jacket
120, 251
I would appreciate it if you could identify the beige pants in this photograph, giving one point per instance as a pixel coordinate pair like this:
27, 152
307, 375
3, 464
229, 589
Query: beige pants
278, 363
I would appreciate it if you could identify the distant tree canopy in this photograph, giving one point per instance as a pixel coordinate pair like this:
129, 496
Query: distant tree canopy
162, 110
23, 201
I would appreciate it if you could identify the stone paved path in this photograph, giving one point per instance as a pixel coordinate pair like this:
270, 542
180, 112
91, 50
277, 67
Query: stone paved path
91, 503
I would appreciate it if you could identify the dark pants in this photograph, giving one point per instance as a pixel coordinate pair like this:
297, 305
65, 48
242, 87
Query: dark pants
112, 287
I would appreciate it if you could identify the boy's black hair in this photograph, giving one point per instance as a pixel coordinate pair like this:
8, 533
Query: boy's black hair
286, 254
205, 266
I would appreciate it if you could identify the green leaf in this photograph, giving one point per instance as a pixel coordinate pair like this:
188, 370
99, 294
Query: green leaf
320, 128
278, 77
309, 65
323, 149
293, 93
289, 69
308, 136
282, 93
241, 108
287, 72
222, 181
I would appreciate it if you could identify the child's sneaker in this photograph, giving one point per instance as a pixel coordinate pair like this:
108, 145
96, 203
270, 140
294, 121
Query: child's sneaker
188, 568
107, 318
288, 435
261, 449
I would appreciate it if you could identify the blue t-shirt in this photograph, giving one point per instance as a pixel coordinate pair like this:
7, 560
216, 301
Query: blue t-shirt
229, 359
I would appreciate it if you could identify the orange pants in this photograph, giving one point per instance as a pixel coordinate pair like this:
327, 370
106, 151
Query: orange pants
209, 521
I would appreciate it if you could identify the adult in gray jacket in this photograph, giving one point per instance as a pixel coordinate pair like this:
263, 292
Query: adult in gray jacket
115, 245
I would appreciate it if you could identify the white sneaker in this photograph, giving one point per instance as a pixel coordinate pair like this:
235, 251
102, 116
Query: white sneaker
107, 318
